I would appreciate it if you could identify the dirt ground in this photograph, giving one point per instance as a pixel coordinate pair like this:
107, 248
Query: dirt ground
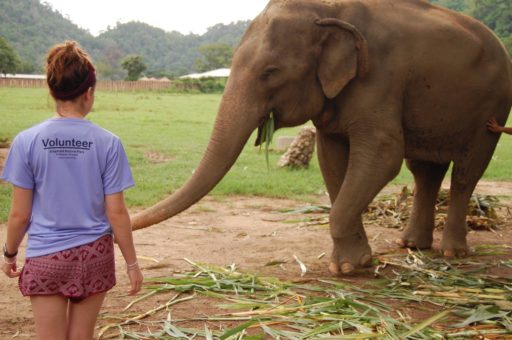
246, 231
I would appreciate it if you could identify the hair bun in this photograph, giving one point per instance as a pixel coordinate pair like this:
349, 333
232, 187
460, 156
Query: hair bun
70, 46
68, 68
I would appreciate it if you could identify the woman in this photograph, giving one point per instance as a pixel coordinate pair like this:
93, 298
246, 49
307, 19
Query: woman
68, 178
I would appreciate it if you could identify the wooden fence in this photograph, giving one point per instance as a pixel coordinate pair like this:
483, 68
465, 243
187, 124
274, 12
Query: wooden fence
107, 85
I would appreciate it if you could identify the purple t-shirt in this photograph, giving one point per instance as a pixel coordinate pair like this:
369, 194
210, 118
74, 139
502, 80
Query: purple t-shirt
70, 164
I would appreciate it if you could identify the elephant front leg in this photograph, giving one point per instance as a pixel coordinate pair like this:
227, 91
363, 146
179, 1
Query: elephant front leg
333, 153
350, 250
372, 164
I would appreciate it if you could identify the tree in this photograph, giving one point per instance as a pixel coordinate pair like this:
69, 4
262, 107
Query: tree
27, 67
134, 65
9, 60
109, 62
497, 14
508, 44
214, 56
456, 5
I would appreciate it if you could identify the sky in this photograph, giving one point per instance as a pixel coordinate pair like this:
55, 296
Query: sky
184, 16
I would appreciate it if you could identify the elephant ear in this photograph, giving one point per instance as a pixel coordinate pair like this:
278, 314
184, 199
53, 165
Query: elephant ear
344, 55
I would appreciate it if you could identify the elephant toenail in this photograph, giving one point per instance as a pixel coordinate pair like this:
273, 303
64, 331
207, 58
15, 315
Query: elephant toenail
334, 268
400, 242
449, 253
366, 260
411, 244
347, 268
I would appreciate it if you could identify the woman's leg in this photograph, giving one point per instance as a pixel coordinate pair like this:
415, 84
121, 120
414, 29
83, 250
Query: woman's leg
50, 315
82, 317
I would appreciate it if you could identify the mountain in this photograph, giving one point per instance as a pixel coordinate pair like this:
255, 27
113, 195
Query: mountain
170, 53
31, 27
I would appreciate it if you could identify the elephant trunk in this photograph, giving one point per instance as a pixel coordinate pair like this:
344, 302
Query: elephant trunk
231, 131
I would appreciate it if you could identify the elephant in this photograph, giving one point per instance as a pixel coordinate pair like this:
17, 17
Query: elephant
382, 81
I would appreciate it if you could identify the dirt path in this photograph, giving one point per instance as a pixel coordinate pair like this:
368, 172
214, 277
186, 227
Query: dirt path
246, 231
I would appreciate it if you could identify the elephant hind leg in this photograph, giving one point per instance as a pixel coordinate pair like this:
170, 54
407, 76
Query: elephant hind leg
466, 172
427, 177
454, 242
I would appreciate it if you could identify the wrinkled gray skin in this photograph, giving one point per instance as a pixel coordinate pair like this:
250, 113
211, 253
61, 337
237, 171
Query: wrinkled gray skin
382, 81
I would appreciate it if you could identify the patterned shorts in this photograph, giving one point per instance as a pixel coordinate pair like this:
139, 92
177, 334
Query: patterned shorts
75, 273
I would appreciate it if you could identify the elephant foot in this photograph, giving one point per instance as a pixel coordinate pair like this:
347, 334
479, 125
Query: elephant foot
350, 254
415, 240
454, 249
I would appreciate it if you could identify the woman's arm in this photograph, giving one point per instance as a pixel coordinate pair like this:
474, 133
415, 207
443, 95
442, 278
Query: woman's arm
19, 218
121, 225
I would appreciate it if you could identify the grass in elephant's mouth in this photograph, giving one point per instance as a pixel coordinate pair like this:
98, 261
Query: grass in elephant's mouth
267, 134
457, 300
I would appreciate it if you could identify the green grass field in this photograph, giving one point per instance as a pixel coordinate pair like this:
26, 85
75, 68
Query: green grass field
176, 128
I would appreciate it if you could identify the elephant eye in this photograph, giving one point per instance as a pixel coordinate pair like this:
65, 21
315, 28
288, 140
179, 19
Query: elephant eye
268, 72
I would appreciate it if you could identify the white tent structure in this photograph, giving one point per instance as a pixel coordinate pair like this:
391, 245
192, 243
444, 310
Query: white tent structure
219, 73
23, 76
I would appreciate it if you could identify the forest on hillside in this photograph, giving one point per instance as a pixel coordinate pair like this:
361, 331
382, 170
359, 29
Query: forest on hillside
496, 14
30, 27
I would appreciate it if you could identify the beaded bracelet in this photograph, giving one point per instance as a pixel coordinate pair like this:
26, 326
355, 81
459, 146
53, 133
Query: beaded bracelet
10, 260
132, 266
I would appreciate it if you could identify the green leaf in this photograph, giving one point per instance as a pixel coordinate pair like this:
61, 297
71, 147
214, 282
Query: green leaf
482, 313
426, 323
174, 331
208, 333
324, 329
260, 336
237, 329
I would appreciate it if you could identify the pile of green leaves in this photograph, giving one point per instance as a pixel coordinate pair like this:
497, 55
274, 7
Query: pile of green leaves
459, 299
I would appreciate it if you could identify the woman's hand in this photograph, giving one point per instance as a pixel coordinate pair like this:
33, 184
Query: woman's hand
10, 269
136, 278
